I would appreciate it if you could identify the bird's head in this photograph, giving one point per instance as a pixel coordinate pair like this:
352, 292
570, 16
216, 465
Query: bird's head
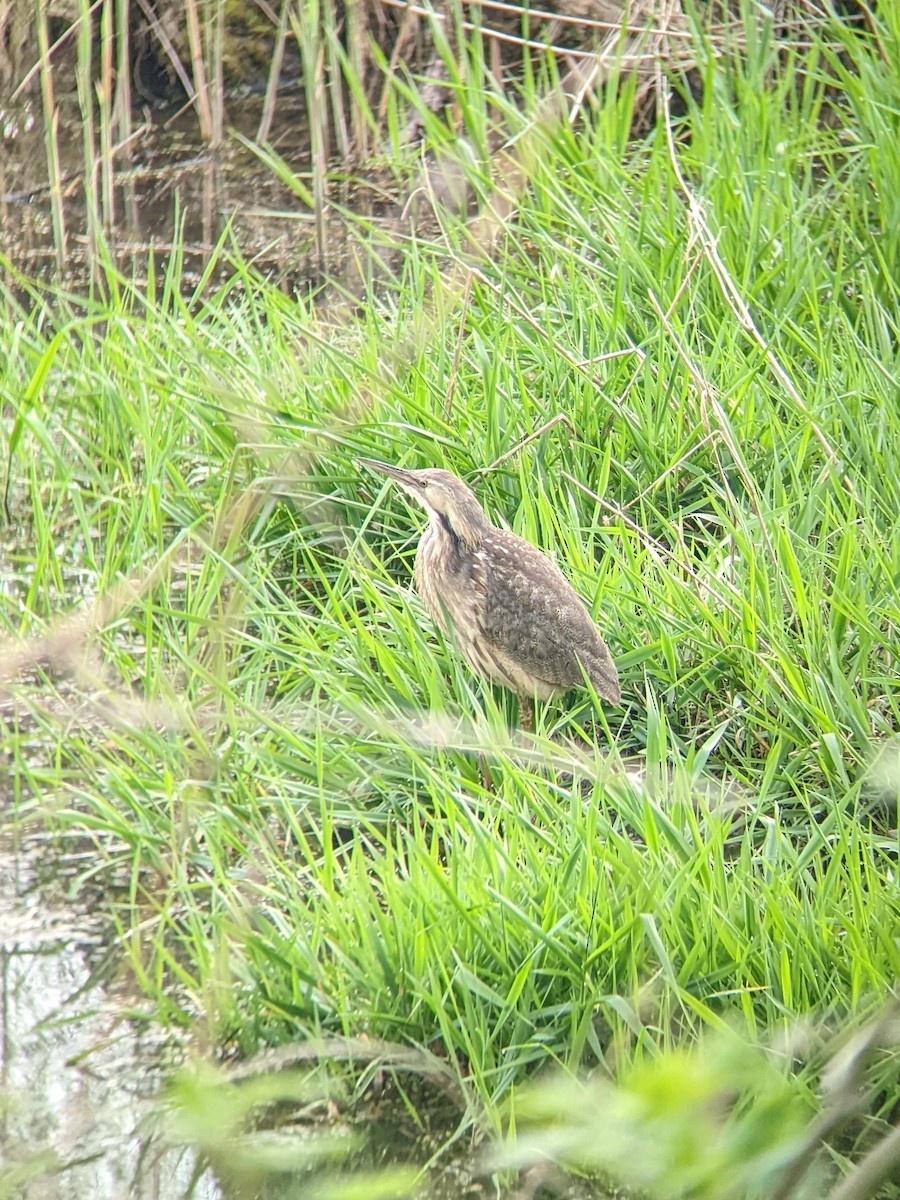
450, 505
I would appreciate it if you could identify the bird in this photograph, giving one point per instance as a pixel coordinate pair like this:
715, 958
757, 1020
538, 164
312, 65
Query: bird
514, 616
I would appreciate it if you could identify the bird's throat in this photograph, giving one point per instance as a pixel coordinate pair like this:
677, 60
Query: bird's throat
458, 531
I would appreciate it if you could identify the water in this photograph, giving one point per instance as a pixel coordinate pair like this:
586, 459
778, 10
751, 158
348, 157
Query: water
174, 190
76, 1076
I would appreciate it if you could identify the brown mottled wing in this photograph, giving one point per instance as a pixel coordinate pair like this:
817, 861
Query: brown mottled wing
533, 615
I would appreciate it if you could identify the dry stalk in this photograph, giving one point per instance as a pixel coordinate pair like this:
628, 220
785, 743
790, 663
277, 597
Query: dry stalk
200, 89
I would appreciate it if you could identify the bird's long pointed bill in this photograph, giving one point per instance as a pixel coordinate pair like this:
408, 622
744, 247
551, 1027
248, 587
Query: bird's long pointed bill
405, 478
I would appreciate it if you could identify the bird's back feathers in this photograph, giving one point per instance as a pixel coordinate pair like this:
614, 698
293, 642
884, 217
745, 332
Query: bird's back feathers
516, 617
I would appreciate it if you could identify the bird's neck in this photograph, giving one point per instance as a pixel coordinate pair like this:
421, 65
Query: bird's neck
464, 528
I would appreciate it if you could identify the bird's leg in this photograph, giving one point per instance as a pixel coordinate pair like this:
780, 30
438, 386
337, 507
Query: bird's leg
487, 780
526, 714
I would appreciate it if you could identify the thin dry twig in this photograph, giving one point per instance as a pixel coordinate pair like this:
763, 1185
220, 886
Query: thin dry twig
166, 42
201, 90
559, 419
51, 138
46, 55
268, 111
538, 14
710, 401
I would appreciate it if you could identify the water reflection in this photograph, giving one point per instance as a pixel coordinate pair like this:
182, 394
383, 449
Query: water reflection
171, 191
75, 1117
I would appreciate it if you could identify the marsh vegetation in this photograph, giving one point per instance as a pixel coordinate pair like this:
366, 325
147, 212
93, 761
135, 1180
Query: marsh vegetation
657, 331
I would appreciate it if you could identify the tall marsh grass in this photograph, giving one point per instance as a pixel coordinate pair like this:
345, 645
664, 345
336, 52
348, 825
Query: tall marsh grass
677, 371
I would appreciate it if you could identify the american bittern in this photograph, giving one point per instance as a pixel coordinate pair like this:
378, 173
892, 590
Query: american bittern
514, 616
